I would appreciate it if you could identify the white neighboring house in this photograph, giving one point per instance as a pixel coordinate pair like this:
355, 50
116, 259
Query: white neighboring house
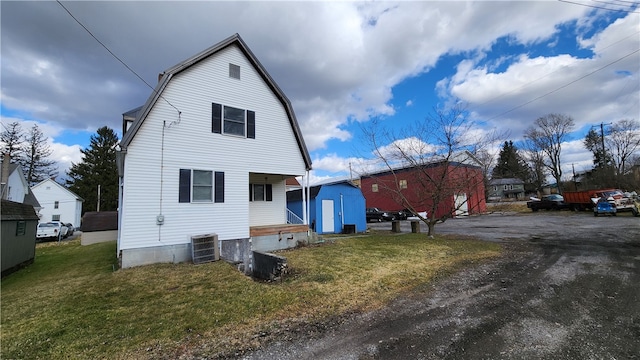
14, 186
58, 203
209, 153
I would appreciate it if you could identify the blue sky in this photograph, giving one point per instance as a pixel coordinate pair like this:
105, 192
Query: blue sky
340, 63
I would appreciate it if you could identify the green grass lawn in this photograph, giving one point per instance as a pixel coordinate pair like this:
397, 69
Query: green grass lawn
71, 304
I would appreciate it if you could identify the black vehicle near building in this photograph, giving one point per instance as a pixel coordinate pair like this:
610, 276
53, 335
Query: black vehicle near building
548, 202
377, 215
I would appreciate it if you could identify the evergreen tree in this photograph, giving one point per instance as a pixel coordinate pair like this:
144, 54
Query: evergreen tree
35, 157
12, 138
594, 142
97, 168
510, 164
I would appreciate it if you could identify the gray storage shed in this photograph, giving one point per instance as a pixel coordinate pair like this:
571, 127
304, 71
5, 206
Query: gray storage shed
18, 235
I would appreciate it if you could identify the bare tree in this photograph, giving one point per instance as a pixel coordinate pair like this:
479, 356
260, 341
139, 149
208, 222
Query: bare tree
548, 134
439, 153
36, 157
12, 138
535, 158
622, 142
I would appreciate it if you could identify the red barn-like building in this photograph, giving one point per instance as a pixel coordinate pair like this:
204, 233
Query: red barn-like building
456, 187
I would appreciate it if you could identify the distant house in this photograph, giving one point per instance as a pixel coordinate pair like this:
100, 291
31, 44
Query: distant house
58, 203
207, 156
292, 184
463, 193
14, 186
19, 224
506, 189
334, 207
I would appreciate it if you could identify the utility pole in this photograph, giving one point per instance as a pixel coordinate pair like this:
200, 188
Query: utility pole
98, 206
604, 154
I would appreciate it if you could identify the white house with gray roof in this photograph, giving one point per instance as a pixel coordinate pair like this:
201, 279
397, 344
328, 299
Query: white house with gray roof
58, 203
506, 189
209, 153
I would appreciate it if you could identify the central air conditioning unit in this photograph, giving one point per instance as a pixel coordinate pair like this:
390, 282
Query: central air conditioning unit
204, 248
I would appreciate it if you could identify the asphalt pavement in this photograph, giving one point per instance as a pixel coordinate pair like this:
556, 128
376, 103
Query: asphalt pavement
567, 287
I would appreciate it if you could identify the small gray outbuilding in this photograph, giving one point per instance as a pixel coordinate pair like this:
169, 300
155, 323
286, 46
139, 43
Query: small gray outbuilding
18, 235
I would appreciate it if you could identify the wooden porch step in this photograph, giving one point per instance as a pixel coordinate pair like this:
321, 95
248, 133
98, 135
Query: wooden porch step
277, 229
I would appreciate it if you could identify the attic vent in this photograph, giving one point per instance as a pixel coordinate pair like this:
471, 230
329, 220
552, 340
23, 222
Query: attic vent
204, 248
234, 71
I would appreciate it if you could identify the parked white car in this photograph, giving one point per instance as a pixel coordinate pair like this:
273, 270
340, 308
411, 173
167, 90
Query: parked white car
51, 231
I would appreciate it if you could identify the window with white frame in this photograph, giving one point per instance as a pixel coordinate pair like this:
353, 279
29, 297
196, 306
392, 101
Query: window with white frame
201, 186
55, 217
402, 184
230, 120
260, 192
234, 121
56, 204
374, 187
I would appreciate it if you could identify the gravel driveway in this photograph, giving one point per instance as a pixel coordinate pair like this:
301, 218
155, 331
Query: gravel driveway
568, 287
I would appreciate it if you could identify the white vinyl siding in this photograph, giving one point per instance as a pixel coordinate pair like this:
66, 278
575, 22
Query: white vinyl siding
269, 212
190, 144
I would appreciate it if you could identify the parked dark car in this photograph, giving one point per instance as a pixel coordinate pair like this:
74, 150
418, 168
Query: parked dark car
548, 202
377, 215
70, 228
398, 215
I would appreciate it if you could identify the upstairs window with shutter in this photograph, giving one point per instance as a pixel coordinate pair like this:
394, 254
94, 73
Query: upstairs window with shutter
233, 121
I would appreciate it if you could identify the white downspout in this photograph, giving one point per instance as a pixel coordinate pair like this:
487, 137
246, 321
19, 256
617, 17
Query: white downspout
342, 212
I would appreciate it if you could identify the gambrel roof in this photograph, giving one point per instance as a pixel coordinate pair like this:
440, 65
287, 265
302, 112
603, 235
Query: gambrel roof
166, 76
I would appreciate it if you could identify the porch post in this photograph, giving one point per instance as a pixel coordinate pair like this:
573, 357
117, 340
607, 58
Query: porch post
304, 198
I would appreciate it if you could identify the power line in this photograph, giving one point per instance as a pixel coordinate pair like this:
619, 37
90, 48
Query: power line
565, 85
115, 56
601, 7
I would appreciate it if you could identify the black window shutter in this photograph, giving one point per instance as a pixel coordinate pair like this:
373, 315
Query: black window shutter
250, 192
219, 187
251, 124
216, 118
268, 192
185, 186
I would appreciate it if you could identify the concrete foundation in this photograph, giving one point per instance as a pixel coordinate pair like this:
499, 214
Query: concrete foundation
280, 241
94, 237
235, 251
156, 254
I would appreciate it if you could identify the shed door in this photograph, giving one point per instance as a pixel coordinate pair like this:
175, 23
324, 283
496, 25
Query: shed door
327, 216
462, 205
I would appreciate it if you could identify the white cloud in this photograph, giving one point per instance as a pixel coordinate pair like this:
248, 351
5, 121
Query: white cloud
337, 62
603, 95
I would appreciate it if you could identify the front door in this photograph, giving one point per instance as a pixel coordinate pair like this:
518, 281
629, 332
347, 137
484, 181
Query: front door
327, 217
